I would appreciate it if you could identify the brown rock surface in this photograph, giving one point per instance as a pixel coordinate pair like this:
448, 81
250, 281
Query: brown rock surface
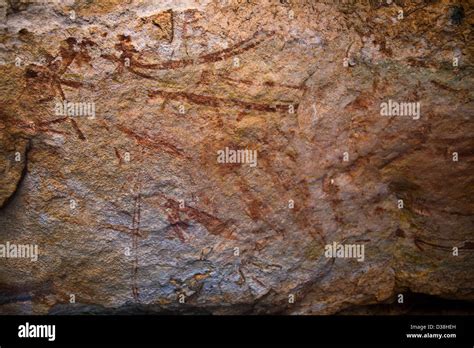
130, 209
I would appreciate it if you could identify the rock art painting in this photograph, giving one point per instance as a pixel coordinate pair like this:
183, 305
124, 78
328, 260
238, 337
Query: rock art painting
236, 157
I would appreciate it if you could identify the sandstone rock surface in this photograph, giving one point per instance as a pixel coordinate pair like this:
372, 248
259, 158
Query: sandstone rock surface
130, 208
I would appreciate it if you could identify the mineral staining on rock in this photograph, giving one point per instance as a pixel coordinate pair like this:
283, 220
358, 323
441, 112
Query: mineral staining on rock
163, 22
131, 208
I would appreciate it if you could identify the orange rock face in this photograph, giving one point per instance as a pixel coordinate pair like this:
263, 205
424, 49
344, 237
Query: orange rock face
228, 157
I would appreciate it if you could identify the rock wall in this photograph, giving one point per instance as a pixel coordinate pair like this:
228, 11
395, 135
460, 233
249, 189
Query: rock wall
354, 119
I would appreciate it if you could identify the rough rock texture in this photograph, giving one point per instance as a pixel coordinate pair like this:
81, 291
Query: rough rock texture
131, 209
